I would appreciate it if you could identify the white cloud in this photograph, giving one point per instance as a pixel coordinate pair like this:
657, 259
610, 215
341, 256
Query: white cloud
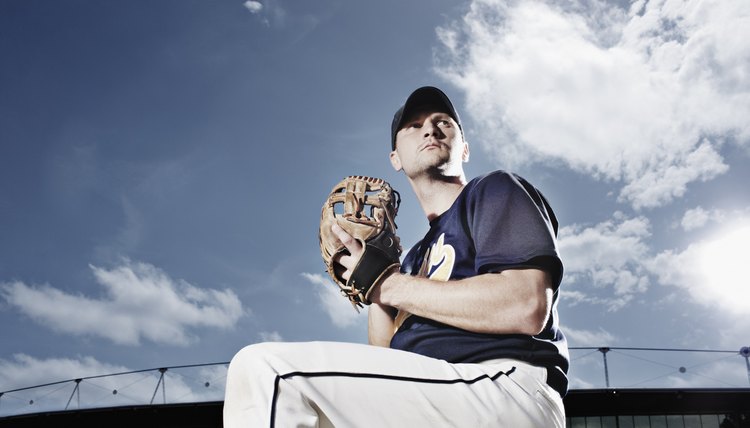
271, 336
337, 307
695, 218
666, 180
24, 371
630, 368
253, 6
679, 370
645, 97
140, 302
210, 386
578, 383
272, 14
588, 337
713, 271
721, 374
699, 217
610, 264
605, 259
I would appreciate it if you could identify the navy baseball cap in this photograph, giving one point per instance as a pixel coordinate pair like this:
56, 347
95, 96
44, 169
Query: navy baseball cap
424, 96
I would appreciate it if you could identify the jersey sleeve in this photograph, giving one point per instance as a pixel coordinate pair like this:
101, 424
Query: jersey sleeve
512, 226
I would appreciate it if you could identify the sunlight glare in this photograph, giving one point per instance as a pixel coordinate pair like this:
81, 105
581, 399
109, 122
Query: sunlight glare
724, 263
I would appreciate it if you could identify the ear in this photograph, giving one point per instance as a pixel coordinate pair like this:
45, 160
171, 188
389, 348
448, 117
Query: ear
395, 161
465, 156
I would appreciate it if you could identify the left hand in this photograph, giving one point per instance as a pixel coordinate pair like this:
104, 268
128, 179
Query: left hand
347, 261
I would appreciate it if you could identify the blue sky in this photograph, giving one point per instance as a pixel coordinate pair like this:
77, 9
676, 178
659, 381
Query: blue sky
163, 165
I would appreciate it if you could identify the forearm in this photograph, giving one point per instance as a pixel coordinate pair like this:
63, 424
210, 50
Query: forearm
380, 324
510, 302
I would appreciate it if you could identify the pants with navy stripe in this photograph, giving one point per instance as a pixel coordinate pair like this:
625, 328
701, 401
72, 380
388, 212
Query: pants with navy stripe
332, 384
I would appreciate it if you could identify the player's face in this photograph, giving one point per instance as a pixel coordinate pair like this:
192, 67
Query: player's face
429, 142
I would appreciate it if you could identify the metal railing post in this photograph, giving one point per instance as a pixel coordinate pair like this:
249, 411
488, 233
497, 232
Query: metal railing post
604, 351
163, 386
75, 390
745, 352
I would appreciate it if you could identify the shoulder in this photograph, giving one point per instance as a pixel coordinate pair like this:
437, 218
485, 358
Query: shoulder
507, 188
497, 182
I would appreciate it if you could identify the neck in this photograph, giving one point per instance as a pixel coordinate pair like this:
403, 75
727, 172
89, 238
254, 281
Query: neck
436, 195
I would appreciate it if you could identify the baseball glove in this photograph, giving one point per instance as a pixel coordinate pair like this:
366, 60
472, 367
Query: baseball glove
365, 208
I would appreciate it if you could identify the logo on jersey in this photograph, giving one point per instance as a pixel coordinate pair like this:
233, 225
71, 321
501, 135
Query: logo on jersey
439, 260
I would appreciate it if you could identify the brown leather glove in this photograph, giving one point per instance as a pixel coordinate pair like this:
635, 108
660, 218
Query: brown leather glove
365, 208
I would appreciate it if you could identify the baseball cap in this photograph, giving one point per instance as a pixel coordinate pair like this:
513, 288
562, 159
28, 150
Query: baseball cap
424, 96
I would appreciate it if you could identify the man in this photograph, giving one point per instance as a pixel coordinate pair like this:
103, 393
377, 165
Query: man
467, 333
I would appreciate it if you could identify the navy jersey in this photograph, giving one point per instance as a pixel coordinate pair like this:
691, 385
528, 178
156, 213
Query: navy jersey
499, 221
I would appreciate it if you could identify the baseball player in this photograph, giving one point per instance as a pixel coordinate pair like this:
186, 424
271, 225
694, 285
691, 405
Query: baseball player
465, 334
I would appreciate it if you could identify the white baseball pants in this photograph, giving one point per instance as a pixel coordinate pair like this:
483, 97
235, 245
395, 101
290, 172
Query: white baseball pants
331, 384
